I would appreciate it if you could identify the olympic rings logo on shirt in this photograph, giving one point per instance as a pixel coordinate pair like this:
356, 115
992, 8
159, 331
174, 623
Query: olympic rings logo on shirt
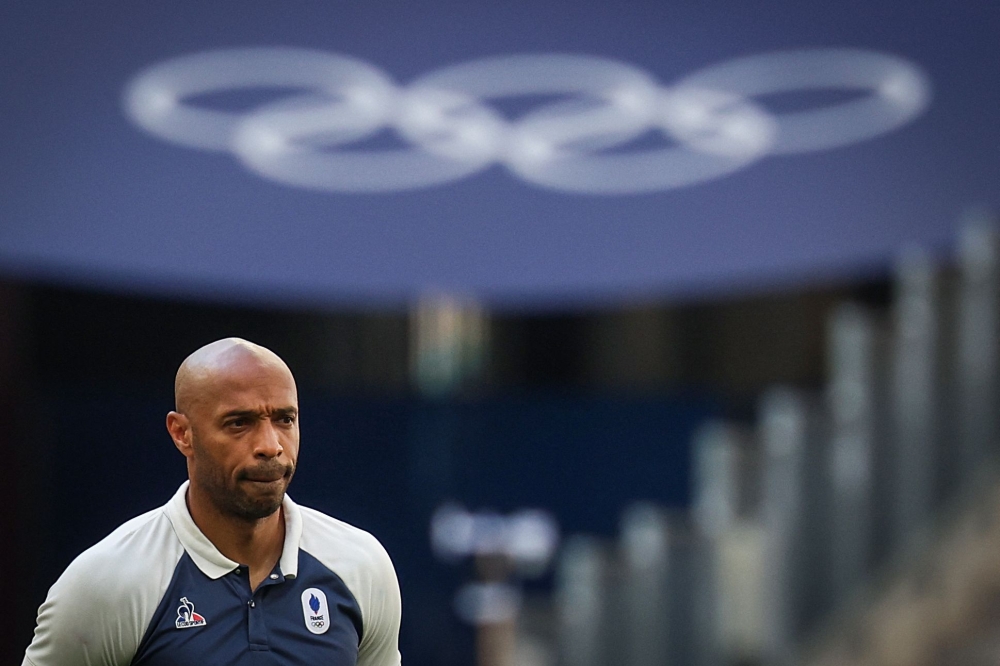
589, 140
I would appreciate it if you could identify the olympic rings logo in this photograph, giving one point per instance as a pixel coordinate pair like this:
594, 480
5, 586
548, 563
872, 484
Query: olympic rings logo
589, 140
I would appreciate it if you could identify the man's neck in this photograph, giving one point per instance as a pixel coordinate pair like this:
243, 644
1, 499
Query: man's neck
254, 543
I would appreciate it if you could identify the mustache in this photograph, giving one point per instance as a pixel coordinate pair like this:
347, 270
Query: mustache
271, 469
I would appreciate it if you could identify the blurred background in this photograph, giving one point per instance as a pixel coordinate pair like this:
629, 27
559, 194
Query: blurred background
641, 333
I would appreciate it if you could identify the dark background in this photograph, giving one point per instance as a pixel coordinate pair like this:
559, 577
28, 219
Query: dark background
580, 413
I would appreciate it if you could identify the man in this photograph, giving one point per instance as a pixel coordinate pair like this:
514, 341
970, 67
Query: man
230, 570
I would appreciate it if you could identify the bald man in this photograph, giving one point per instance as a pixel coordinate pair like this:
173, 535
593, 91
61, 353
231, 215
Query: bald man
230, 570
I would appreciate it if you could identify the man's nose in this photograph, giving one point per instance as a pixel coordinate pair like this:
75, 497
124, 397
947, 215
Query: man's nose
268, 443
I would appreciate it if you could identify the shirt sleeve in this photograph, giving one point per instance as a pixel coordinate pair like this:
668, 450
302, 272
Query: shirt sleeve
83, 622
380, 641
98, 610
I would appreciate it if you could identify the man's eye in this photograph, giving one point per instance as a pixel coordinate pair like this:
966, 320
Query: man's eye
238, 423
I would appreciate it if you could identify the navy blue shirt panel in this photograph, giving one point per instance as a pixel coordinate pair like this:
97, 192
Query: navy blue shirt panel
221, 622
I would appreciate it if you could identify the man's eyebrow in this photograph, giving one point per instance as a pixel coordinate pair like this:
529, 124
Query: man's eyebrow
244, 413
253, 413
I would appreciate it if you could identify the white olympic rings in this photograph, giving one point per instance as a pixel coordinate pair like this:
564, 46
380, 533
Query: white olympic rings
590, 140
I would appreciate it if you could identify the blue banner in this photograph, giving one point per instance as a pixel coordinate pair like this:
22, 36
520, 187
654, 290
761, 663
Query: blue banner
524, 154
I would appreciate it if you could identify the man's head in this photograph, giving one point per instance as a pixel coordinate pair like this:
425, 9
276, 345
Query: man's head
236, 422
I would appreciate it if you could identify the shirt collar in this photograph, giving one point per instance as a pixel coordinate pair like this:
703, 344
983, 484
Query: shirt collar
208, 558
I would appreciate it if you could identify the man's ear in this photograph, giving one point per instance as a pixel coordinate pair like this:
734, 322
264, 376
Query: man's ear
179, 428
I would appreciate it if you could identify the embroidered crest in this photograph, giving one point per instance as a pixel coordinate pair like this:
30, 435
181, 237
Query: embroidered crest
186, 617
315, 610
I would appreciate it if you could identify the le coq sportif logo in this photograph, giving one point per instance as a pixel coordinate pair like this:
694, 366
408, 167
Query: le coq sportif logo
590, 134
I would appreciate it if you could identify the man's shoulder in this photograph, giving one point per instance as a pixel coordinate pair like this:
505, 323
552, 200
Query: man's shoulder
323, 532
355, 555
107, 595
363, 565
130, 553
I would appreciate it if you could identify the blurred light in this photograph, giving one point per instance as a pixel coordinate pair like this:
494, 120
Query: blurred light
528, 538
487, 603
449, 338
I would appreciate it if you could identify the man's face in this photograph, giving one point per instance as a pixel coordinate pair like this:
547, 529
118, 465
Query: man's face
245, 439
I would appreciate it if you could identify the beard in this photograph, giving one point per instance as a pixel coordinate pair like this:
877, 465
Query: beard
235, 499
